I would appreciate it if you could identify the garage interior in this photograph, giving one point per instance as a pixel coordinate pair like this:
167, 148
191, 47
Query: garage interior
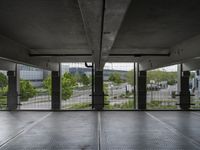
150, 34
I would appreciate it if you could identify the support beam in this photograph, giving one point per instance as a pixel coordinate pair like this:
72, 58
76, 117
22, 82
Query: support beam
182, 52
191, 65
13, 89
113, 18
185, 93
141, 89
6, 65
56, 90
99, 94
17, 53
92, 12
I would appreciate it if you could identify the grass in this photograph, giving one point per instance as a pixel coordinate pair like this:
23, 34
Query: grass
80, 106
164, 104
3, 102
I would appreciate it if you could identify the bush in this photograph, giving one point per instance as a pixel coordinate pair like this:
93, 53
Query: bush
80, 106
26, 90
68, 84
3, 80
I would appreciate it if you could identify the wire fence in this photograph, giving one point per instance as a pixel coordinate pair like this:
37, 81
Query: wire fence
76, 95
195, 100
119, 86
162, 88
162, 99
34, 88
3, 102
40, 101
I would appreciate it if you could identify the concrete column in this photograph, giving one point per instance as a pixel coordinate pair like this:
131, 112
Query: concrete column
99, 94
56, 90
185, 93
141, 90
12, 96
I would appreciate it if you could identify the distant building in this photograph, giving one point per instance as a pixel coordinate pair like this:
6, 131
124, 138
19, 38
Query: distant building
34, 75
106, 72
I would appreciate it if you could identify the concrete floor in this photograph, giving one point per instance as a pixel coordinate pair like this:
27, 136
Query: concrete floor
114, 130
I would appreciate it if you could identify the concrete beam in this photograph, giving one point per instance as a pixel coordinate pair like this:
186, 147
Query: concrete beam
182, 52
191, 65
17, 53
140, 50
92, 12
115, 11
6, 65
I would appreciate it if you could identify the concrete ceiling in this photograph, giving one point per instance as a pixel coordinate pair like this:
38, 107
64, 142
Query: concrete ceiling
154, 33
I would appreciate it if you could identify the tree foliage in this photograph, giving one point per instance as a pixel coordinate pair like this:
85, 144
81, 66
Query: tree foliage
130, 77
85, 80
115, 77
158, 76
26, 90
3, 80
68, 84
82, 78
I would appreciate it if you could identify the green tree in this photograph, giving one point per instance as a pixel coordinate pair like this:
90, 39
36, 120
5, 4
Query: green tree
115, 77
3, 80
26, 90
77, 77
130, 77
85, 80
158, 76
68, 84
47, 84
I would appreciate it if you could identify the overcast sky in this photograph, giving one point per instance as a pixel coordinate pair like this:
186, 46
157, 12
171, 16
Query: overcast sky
120, 66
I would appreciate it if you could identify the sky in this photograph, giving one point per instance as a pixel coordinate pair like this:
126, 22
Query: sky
121, 66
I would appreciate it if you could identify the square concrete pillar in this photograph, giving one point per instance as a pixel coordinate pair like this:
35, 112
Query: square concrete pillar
141, 90
12, 95
99, 94
184, 90
56, 90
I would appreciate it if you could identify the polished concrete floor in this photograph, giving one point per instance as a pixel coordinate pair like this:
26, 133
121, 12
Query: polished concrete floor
112, 130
